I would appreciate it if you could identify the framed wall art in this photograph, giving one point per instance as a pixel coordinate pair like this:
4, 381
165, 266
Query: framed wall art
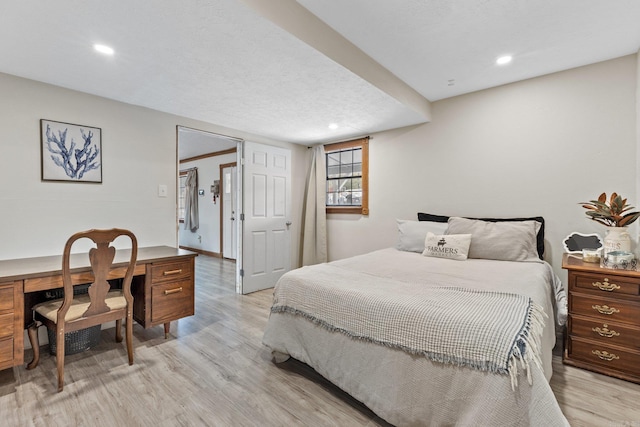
71, 153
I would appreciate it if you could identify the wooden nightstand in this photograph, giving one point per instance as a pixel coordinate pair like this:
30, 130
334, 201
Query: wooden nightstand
603, 326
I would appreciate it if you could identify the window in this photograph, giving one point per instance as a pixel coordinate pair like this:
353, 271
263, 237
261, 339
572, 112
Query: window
347, 166
181, 195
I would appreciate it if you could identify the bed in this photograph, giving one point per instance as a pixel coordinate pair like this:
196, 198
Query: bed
430, 340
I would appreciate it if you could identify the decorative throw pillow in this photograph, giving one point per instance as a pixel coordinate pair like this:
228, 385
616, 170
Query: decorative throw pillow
411, 234
451, 246
505, 241
539, 237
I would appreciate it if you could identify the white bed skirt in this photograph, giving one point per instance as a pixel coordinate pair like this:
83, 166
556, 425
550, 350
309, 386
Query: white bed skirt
408, 390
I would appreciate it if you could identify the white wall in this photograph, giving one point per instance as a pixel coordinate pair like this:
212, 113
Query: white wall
139, 153
207, 237
536, 147
638, 128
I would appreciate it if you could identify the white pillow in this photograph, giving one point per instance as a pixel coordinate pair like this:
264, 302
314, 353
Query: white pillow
411, 234
451, 246
505, 241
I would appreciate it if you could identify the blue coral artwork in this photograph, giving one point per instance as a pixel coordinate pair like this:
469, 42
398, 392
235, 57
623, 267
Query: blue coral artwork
70, 152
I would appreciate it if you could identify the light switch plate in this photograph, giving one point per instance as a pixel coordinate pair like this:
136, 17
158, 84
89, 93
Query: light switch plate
162, 190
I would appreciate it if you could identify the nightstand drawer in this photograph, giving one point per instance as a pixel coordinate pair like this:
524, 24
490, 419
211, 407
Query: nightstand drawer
171, 301
606, 333
171, 271
610, 357
605, 309
608, 284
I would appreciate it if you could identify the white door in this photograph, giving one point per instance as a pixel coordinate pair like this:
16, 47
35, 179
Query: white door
229, 213
266, 195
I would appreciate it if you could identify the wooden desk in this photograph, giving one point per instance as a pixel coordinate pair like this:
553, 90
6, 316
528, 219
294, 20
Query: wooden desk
162, 287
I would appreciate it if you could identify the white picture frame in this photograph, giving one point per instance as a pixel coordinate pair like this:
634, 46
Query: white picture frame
70, 153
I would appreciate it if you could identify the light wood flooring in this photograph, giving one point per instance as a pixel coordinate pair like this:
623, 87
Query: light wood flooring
214, 371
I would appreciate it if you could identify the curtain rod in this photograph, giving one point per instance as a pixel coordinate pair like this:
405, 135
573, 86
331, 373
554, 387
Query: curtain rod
335, 142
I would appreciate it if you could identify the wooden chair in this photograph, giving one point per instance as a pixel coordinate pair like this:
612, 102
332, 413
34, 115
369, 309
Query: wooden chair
99, 306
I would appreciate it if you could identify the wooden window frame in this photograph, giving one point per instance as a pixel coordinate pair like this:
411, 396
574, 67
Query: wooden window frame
356, 143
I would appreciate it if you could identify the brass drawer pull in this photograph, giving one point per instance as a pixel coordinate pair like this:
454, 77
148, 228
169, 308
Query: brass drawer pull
605, 309
605, 332
173, 291
171, 272
605, 355
606, 286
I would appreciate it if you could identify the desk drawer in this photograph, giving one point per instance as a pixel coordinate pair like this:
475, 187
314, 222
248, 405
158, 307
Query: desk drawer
171, 271
606, 309
6, 297
6, 353
55, 282
11, 323
6, 325
171, 301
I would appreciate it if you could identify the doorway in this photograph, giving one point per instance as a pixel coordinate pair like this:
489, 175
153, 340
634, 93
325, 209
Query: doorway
204, 152
223, 193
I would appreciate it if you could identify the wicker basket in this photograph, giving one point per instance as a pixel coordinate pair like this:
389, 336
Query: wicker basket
76, 341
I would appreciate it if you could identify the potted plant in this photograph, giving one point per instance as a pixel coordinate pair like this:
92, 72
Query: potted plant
616, 214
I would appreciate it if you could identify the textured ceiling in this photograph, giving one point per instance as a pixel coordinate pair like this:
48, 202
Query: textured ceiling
216, 61
429, 42
237, 63
194, 142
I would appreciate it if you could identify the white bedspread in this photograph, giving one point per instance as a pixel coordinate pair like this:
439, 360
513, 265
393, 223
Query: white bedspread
486, 330
406, 389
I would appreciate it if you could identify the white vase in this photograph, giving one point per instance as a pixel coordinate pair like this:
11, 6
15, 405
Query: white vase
617, 239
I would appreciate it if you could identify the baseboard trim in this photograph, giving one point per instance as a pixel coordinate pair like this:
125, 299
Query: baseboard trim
200, 251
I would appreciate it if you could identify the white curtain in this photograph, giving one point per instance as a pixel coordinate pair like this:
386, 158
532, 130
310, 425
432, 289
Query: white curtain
191, 221
314, 237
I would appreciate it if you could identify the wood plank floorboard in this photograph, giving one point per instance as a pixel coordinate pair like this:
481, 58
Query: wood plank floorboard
214, 371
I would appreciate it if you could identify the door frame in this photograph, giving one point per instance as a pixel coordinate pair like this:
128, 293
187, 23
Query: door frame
222, 183
240, 213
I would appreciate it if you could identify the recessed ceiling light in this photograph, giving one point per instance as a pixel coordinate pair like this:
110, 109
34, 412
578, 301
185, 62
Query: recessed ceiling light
503, 60
103, 49
333, 126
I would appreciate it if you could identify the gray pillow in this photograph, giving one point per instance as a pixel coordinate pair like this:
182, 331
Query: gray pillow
411, 234
505, 241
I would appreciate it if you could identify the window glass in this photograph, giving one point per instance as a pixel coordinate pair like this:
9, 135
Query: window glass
341, 173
